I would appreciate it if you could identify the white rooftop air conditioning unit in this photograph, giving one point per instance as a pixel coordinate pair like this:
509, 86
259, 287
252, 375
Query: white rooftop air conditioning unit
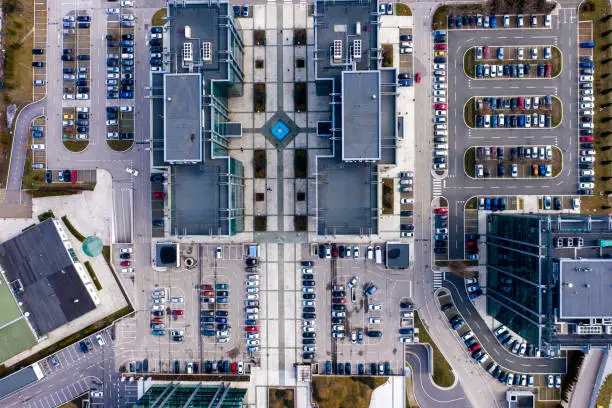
187, 32
337, 50
206, 51
357, 49
187, 52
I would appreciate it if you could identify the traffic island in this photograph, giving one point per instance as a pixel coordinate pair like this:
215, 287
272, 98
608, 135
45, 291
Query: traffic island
159, 18
469, 162
470, 111
555, 61
76, 146
442, 375
336, 391
120, 145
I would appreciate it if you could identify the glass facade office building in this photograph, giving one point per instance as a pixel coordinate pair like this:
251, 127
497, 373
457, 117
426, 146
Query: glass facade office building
519, 273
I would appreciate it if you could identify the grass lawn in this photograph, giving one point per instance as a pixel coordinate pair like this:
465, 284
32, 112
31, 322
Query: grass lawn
469, 112
18, 43
76, 145
442, 371
260, 163
92, 275
344, 392
31, 177
556, 62
557, 111
387, 55
51, 193
16, 338
281, 398
605, 393
469, 161
402, 9
469, 62
8, 308
158, 17
72, 229
120, 145
599, 203
259, 97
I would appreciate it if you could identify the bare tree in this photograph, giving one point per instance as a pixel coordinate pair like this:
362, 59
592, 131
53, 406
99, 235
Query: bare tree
460, 269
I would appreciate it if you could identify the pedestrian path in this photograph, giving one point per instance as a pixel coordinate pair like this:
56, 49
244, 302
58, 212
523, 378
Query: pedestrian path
437, 188
437, 279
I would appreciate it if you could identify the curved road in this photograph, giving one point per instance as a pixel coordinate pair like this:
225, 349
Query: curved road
21, 140
512, 362
425, 391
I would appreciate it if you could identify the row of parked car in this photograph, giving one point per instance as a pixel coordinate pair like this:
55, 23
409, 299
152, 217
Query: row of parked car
309, 314
586, 181
252, 312
501, 103
440, 107
490, 21
441, 228
484, 52
513, 121
156, 57
345, 368
120, 67
512, 70
214, 322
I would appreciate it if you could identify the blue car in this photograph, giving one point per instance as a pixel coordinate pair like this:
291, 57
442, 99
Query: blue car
328, 367
237, 11
222, 313
440, 60
361, 367
48, 176
157, 178
493, 22
221, 320
222, 300
340, 369
126, 95
459, 21
208, 333
587, 44
347, 368
250, 322
457, 325
158, 332
158, 223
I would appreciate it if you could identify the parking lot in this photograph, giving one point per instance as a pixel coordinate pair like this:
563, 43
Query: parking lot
119, 56
374, 315
38, 131
461, 183
76, 56
39, 33
515, 161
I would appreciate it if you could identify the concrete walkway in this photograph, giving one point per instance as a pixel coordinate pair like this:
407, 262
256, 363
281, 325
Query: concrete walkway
583, 389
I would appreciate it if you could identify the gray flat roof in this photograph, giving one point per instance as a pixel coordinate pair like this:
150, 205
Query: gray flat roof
585, 293
51, 284
398, 255
17, 380
183, 118
361, 115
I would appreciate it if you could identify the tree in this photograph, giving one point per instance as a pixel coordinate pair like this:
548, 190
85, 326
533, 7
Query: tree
606, 91
603, 34
606, 119
605, 105
606, 17
605, 47
605, 61
606, 133
607, 74
604, 148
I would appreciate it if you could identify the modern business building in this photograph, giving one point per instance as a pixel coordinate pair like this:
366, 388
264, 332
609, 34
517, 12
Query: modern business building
190, 121
363, 115
191, 395
548, 278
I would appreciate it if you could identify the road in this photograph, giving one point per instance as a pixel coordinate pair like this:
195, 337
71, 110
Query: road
512, 362
457, 187
425, 392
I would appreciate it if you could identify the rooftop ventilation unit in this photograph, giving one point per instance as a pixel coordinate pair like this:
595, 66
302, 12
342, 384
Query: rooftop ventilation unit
187, 32
187, 52
206, 51
337, 50
357, 49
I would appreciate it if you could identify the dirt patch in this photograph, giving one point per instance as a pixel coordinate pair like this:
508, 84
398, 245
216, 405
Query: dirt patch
387, 55
259, 37
120, 145
301, 96
260, 223
259, 97
260, 163
281, 398
299, 36
387, 196
300, 163
300, 223
76, 145
349, 392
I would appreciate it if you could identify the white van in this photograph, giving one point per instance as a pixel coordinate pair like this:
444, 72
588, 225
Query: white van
441, 153
441, 127
378, 253
441, 146
440, 133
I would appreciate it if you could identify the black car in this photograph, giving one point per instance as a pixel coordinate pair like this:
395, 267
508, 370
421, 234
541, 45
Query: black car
309, 335
127, 37
321, 251
309, 316
338, 293
48, 176
500, 170
84, 25
38, 64
156, 49
307, 263
308, 296
66, 57
83, 347
82, 115
309, 309
338, 320
557, 203
81, 82
83, 18
124, 256
341, 251
67, 177
156, 30
308, 341
127, 82
83, 89
177, 367
440, 250
308, 356
339, 308
37, 51
155, 41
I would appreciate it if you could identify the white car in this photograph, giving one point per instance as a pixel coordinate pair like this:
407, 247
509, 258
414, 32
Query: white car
308, 303
352, 282
439, 93
127, 3
506, 21
587, 159
157, 307
374, 307
534, 53
126, 108
550, 381
586, 99
547, 53
82, 109
100, 340
132, 171
252, 283
177, 333
586, 91
252, 342
240, 367
406, 339
127, 270
406, 201
586, 78
112, 11
587, 172
355, 252
253, 296
478, 53
587, 152
547, 21
587, 105
38, 147
308, 329
253, 290
437, 99
374, 320
439, 86
112, 76
127, 17
514, 170
97, 394
520, 53
156, 35
82, 136
440, 66
586, 185
158, 301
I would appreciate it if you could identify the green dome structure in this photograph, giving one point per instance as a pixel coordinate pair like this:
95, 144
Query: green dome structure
92, 246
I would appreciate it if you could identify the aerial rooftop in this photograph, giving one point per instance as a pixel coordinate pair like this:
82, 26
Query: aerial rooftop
585, 288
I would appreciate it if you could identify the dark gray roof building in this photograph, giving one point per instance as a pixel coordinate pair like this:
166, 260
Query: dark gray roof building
19, 379
183, 118
44, 277
361, 115
398, 255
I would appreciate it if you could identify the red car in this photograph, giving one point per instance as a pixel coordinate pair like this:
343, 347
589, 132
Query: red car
441, 106
252, 329
441, 211
178, 312
586, 139
208, 293
521, 102
417, 77
125, 263
157, 320
73, 176
206, 287
234, 367
334, 250
470, 243
339, 300
159, 195
485, 52
548, 69
440, 47
474, 347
